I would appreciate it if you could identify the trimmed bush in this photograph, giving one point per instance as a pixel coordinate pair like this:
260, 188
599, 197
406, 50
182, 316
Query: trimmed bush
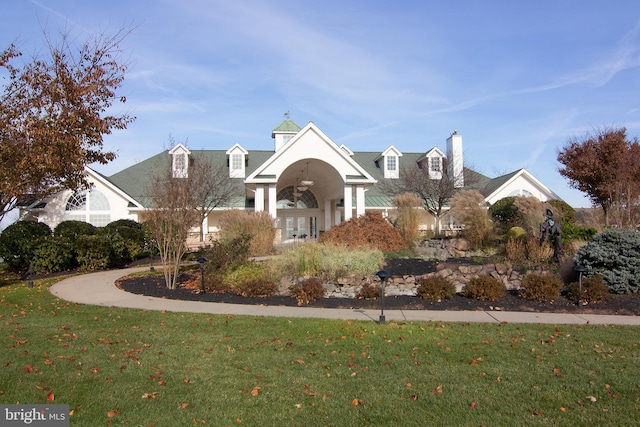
53, 255
516, 233
74, 229
435, 288
540, 287
593, 290
128, 238
484, 288
614, 254
20, 240
96, 252
256, 288
307, 290
369, 291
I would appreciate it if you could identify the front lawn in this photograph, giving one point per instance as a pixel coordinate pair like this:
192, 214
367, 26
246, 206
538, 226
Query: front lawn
131, 367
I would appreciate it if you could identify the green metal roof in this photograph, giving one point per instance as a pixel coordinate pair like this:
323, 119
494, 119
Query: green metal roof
287, 126
135, 179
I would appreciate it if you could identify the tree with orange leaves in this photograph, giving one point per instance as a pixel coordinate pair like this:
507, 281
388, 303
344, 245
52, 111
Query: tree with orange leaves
54, 112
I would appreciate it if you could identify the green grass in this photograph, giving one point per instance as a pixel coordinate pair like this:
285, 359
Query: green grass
175, 369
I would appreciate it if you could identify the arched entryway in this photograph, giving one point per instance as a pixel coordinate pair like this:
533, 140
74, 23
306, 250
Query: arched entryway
298, 212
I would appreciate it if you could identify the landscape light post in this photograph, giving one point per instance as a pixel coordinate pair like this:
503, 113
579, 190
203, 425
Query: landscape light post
201, 261
580, 269
383, 275
31, 257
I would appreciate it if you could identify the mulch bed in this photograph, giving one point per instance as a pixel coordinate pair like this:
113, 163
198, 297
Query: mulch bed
616, 304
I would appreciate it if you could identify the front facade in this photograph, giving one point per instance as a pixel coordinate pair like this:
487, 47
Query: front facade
307, 183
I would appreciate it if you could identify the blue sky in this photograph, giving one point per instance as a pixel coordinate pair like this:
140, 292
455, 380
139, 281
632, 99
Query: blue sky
516, 79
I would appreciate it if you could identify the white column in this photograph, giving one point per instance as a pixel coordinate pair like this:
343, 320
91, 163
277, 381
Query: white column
348, 204
272, 196
336, 213
259, 203
327, 214
359, 200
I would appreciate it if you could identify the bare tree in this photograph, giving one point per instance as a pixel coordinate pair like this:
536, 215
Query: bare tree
177, 203
54, 111
211, 187
435, 193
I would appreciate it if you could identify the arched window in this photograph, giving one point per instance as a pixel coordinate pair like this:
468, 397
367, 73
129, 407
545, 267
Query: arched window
89, 206
291, 198
521, 192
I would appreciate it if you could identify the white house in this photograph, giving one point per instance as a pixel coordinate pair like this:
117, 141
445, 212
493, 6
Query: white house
306, 182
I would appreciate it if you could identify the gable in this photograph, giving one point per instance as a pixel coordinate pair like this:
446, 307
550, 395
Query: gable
310, 143
520, 182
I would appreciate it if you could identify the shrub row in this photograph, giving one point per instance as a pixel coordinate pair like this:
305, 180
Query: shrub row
71, 244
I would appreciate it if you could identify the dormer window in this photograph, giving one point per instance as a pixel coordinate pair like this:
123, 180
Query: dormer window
237, 161
435, 164
389, 159
180, 161
392, 165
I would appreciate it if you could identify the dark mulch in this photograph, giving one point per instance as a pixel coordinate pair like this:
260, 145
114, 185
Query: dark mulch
616, 304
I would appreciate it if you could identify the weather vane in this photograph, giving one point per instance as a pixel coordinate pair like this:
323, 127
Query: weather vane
286, 115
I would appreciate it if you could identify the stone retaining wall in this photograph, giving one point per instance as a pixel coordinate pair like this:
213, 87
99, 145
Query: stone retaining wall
459, 275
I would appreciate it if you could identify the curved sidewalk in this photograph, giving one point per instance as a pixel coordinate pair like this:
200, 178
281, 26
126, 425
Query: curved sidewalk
99, 289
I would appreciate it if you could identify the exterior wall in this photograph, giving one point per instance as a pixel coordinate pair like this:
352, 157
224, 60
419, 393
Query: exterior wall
517, 187
54, 213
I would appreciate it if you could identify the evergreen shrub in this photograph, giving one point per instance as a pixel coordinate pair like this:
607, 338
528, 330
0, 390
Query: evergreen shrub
614, 254
95, 252
128, 237
19, 241
54, 255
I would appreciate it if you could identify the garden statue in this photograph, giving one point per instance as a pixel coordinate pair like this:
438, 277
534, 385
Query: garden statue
550, 232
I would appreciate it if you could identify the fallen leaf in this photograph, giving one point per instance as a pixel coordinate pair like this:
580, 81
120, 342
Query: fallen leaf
255, 391
184, 405
111, 414
50, 397
474, 404
48, 362
298, 405
592, 398
563, 409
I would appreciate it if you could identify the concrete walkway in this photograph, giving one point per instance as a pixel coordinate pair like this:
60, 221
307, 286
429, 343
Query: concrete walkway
99, 289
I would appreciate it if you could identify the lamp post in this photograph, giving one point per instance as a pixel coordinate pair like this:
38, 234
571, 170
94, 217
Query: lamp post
30, 281
201, 261
580, 269
383, 275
